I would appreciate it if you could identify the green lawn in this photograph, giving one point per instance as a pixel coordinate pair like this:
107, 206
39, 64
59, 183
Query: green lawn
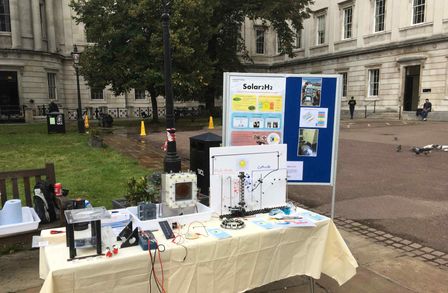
98, 175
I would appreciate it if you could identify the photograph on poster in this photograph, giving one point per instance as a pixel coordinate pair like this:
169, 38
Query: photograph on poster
240, 122
311, 91
308, 141
256, 123
272, 122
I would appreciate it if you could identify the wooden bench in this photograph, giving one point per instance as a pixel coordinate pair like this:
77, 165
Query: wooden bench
29, 178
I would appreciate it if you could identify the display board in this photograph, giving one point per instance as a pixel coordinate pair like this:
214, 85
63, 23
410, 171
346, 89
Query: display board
301, 111
263, 181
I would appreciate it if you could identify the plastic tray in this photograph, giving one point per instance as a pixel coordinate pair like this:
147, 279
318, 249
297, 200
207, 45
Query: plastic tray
203, 214
30, 222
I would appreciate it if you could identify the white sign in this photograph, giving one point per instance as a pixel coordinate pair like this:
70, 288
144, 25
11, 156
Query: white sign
313, 117
264, 182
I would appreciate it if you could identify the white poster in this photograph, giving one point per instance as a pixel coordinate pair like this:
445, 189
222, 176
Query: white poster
295, 170
313, 117
256, 106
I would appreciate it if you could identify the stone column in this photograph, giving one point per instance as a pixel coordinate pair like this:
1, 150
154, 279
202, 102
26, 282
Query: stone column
16, 34
51, 33
37, 28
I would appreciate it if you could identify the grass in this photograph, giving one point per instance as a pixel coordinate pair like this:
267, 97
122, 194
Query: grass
98, 175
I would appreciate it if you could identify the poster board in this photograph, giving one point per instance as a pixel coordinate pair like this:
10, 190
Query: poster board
300, 110
264, 170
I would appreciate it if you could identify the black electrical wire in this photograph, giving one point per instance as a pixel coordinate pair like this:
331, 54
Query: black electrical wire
261, 180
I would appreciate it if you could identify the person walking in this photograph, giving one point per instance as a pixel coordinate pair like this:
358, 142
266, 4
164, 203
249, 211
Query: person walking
427, 107
352, 104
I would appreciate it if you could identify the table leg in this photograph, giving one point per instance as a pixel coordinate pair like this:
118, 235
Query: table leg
311, 284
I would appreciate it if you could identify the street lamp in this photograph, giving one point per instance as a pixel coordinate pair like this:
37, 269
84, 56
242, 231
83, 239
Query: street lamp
171, 162
76, 55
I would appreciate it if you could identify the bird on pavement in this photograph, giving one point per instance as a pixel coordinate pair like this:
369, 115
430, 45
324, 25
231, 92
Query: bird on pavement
422, 150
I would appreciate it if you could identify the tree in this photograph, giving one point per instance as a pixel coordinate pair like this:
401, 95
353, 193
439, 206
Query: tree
127, 49
226, 47
205, 39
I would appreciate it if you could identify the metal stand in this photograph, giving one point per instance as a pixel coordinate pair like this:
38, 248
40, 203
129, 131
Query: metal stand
95, 227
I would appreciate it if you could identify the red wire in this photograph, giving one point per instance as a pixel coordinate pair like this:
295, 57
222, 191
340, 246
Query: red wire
161, 267
153, 271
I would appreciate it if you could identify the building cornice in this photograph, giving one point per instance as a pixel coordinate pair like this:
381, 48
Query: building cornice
4, 51
351, 53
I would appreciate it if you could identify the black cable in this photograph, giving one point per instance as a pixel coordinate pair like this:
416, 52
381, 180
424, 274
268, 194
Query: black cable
264, 177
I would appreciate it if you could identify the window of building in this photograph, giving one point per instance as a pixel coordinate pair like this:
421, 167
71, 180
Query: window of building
344, 83
5, 21
380, 12
418, 11
51, 85
348, 21
140, 94
374, 82
321, 29
96, 93
259, 40
43, 19
298, 40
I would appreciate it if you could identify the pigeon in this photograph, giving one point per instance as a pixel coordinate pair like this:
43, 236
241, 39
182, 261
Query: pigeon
441, 147
399, 148
421, 150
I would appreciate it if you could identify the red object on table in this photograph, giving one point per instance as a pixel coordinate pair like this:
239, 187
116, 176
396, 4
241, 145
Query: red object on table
56, 232
58, 189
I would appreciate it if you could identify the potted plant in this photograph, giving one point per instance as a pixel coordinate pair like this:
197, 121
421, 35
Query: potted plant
142, 189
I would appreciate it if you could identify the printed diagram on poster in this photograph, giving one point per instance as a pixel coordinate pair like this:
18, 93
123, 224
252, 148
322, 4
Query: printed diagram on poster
313, 117
311, 91
308, 141
256, 106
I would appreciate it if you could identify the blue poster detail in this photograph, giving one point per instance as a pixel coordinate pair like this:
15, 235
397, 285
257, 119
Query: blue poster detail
308, 140
254, 121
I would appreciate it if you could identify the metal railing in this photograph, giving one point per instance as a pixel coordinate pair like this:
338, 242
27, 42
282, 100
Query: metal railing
367, 105
12, 113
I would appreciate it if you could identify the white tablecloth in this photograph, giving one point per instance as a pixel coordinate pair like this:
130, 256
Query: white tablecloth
252, 257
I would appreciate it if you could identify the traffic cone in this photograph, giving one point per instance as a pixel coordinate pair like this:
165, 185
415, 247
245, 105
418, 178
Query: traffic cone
86, 122
210, 123
142, 129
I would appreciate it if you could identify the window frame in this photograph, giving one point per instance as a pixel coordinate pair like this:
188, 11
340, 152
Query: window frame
137, 93
261, 43
415, 7
6, 16
347, 22
321, 34
96, 91
52, 86
374, 86
43, 19
298, 39
379, 15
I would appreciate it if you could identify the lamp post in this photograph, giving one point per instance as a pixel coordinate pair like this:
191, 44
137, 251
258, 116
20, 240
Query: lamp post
171, 162
76, 55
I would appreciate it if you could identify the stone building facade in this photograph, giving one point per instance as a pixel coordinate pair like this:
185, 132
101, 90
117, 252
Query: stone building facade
393, 54
36, 67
